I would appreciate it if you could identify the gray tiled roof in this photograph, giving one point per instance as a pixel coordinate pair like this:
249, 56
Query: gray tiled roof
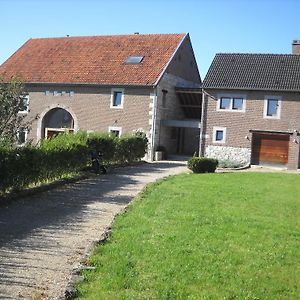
254, 71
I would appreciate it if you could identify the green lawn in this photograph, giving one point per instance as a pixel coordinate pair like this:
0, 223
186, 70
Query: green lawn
209, 236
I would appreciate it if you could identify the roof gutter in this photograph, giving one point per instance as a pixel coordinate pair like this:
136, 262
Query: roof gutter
87, 85
170, 60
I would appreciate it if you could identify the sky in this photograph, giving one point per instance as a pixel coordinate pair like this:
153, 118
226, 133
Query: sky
215, 26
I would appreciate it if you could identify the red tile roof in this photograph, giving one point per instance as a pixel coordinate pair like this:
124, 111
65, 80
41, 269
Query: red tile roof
93, 60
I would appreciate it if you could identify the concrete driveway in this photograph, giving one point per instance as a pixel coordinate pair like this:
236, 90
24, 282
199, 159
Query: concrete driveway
43, 237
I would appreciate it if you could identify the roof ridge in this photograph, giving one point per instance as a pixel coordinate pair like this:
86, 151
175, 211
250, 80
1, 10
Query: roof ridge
109, 36
258, 54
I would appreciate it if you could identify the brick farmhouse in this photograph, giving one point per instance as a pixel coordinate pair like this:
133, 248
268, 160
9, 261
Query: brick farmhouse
114, 84
247, 108
251, 110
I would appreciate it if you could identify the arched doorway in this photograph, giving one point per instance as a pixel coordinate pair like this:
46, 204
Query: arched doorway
55, 121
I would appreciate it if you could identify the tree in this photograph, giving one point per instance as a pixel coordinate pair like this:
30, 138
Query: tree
13, 100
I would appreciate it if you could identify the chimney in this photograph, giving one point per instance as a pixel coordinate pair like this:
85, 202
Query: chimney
296, 47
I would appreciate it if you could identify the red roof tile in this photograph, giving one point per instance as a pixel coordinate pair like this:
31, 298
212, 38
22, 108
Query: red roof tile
93, 60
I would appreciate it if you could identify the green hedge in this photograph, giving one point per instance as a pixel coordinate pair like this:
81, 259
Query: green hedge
64, 154
202, 165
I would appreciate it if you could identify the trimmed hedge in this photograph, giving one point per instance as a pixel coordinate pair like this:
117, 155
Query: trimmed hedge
64, 154
202, 164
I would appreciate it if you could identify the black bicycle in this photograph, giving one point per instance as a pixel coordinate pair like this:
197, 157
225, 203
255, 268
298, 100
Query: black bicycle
97, 163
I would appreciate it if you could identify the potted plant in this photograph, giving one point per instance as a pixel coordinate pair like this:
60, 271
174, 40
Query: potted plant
160, 153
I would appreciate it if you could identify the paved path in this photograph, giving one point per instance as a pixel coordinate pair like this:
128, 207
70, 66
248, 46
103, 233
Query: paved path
43, 237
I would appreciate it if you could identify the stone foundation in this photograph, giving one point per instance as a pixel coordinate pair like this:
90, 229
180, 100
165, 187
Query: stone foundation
242, 155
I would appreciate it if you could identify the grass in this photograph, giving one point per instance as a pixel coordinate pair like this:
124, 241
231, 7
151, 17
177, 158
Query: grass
209, 236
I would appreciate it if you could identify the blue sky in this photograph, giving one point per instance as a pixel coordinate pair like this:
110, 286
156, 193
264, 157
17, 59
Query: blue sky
252, 26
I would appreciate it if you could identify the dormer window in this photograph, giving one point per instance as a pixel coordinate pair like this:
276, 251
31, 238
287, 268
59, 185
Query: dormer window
134, 60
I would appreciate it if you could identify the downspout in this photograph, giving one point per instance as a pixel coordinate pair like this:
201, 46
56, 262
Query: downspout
201, 151
153, 123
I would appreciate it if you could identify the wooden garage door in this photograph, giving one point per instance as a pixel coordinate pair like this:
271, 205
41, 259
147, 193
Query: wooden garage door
270, 148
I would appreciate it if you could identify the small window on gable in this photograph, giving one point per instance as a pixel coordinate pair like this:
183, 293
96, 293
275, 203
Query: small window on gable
117, 96
134, 60
164, 98
24, 104
219, 134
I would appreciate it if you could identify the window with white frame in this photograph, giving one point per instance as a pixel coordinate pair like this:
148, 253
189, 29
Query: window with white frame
219, 134
272, 107
117, 98
116, 131
231, 103
24, 104
22, 136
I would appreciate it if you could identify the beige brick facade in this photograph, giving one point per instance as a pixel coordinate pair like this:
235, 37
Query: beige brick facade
90, 108
240, 125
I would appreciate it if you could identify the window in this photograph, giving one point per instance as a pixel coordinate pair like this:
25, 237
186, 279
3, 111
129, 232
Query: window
237, 103
21, 136
134, 60
117, 96
225, 103
272, 107
219, 134
164, 98
116, 131
24, 104
231, 103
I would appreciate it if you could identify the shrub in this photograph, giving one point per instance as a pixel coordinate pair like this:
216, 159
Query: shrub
130, 148
64, 154
104, 143
202, 164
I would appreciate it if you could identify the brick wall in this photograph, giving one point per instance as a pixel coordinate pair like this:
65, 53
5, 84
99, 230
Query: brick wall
184, 64
90, 107
239, 124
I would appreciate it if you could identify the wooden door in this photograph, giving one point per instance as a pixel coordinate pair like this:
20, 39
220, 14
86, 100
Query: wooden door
270, 148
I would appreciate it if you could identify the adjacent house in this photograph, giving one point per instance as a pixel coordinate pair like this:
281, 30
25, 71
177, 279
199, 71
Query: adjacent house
252, 108
114, 84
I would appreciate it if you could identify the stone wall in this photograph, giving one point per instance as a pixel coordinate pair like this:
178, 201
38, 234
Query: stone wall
242, 155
